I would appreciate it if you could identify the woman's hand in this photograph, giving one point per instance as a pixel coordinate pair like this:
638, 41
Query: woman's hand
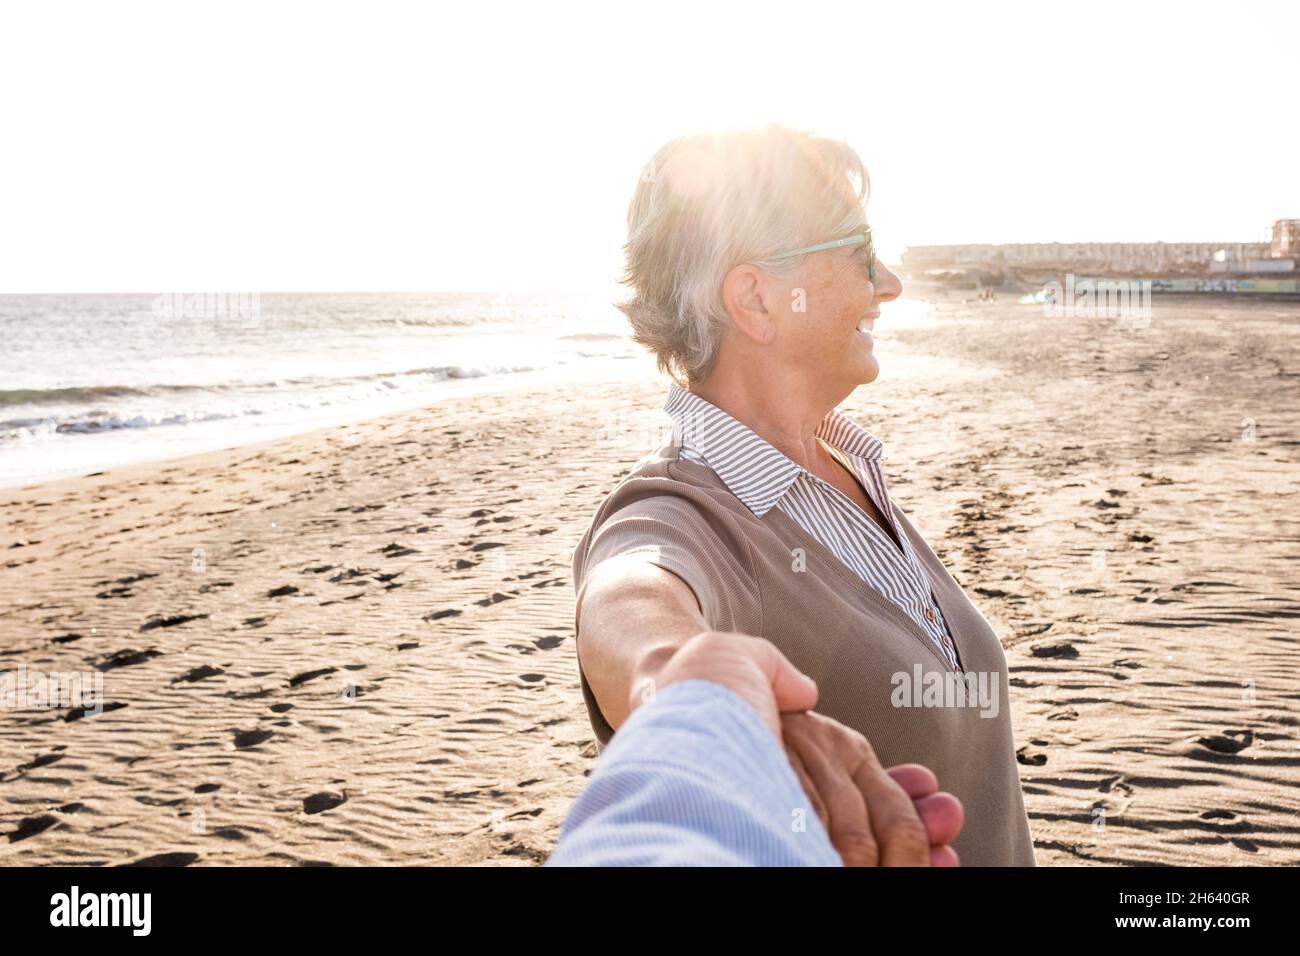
750, 667
875, 817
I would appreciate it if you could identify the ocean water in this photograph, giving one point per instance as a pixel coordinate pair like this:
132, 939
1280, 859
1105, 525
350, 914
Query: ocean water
89, 382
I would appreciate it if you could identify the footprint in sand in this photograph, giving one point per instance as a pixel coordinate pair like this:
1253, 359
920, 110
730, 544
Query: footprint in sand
1054, 649
123, 590
165, 859
325, 800
173, 621
496, 598
1229, 742
1030, 758
76, 713
1116, 784
127, 657
1224, 819
198, 674
30, 826
251, 738
351, 574
44, 760
299, 679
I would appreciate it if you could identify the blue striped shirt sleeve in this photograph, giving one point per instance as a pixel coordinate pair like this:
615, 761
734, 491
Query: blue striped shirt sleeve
693, 778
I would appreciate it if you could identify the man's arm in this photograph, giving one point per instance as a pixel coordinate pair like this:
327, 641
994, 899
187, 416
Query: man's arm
632, 616
697, 775
694, 778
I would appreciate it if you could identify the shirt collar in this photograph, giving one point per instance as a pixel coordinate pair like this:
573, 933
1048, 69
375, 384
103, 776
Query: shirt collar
751, 468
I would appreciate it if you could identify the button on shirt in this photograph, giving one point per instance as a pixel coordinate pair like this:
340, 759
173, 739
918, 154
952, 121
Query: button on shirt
763, 478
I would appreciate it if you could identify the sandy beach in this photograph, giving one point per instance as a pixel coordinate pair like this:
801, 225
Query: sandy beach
355, 646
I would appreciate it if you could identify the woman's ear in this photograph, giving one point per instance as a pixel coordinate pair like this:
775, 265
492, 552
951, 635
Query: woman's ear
745, 297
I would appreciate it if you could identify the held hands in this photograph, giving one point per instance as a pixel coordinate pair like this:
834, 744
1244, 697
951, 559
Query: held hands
874, 816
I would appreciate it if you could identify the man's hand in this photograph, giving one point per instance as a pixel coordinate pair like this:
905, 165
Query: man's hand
874, 817
750, 667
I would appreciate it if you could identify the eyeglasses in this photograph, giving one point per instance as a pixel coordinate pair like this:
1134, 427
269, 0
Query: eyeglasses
862, 238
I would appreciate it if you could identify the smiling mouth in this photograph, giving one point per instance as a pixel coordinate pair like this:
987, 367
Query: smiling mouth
868, 322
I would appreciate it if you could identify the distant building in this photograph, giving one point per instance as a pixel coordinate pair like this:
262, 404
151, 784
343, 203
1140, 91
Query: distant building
1286, 238
1118, 257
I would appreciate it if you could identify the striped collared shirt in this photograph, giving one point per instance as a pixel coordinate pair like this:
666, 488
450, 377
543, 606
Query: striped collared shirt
763, 478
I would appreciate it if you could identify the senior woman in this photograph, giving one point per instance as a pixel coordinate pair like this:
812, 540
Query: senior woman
755, 285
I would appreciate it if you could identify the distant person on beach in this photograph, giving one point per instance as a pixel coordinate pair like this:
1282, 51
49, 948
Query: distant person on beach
696, 776
755, 284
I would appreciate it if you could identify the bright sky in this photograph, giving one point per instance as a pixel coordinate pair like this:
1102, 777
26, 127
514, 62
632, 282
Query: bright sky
494, 146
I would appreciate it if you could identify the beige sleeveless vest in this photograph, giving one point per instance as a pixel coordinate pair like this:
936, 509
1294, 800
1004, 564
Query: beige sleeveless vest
875, 669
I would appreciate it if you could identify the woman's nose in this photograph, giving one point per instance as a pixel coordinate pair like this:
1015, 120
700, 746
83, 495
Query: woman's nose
888, 285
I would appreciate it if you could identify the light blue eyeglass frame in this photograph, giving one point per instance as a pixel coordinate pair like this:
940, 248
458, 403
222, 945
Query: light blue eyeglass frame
836, 244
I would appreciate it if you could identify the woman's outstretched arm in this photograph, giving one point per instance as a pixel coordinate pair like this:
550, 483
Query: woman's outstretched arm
632, 616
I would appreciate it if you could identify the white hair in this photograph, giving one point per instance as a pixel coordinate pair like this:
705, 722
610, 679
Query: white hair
707, 203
